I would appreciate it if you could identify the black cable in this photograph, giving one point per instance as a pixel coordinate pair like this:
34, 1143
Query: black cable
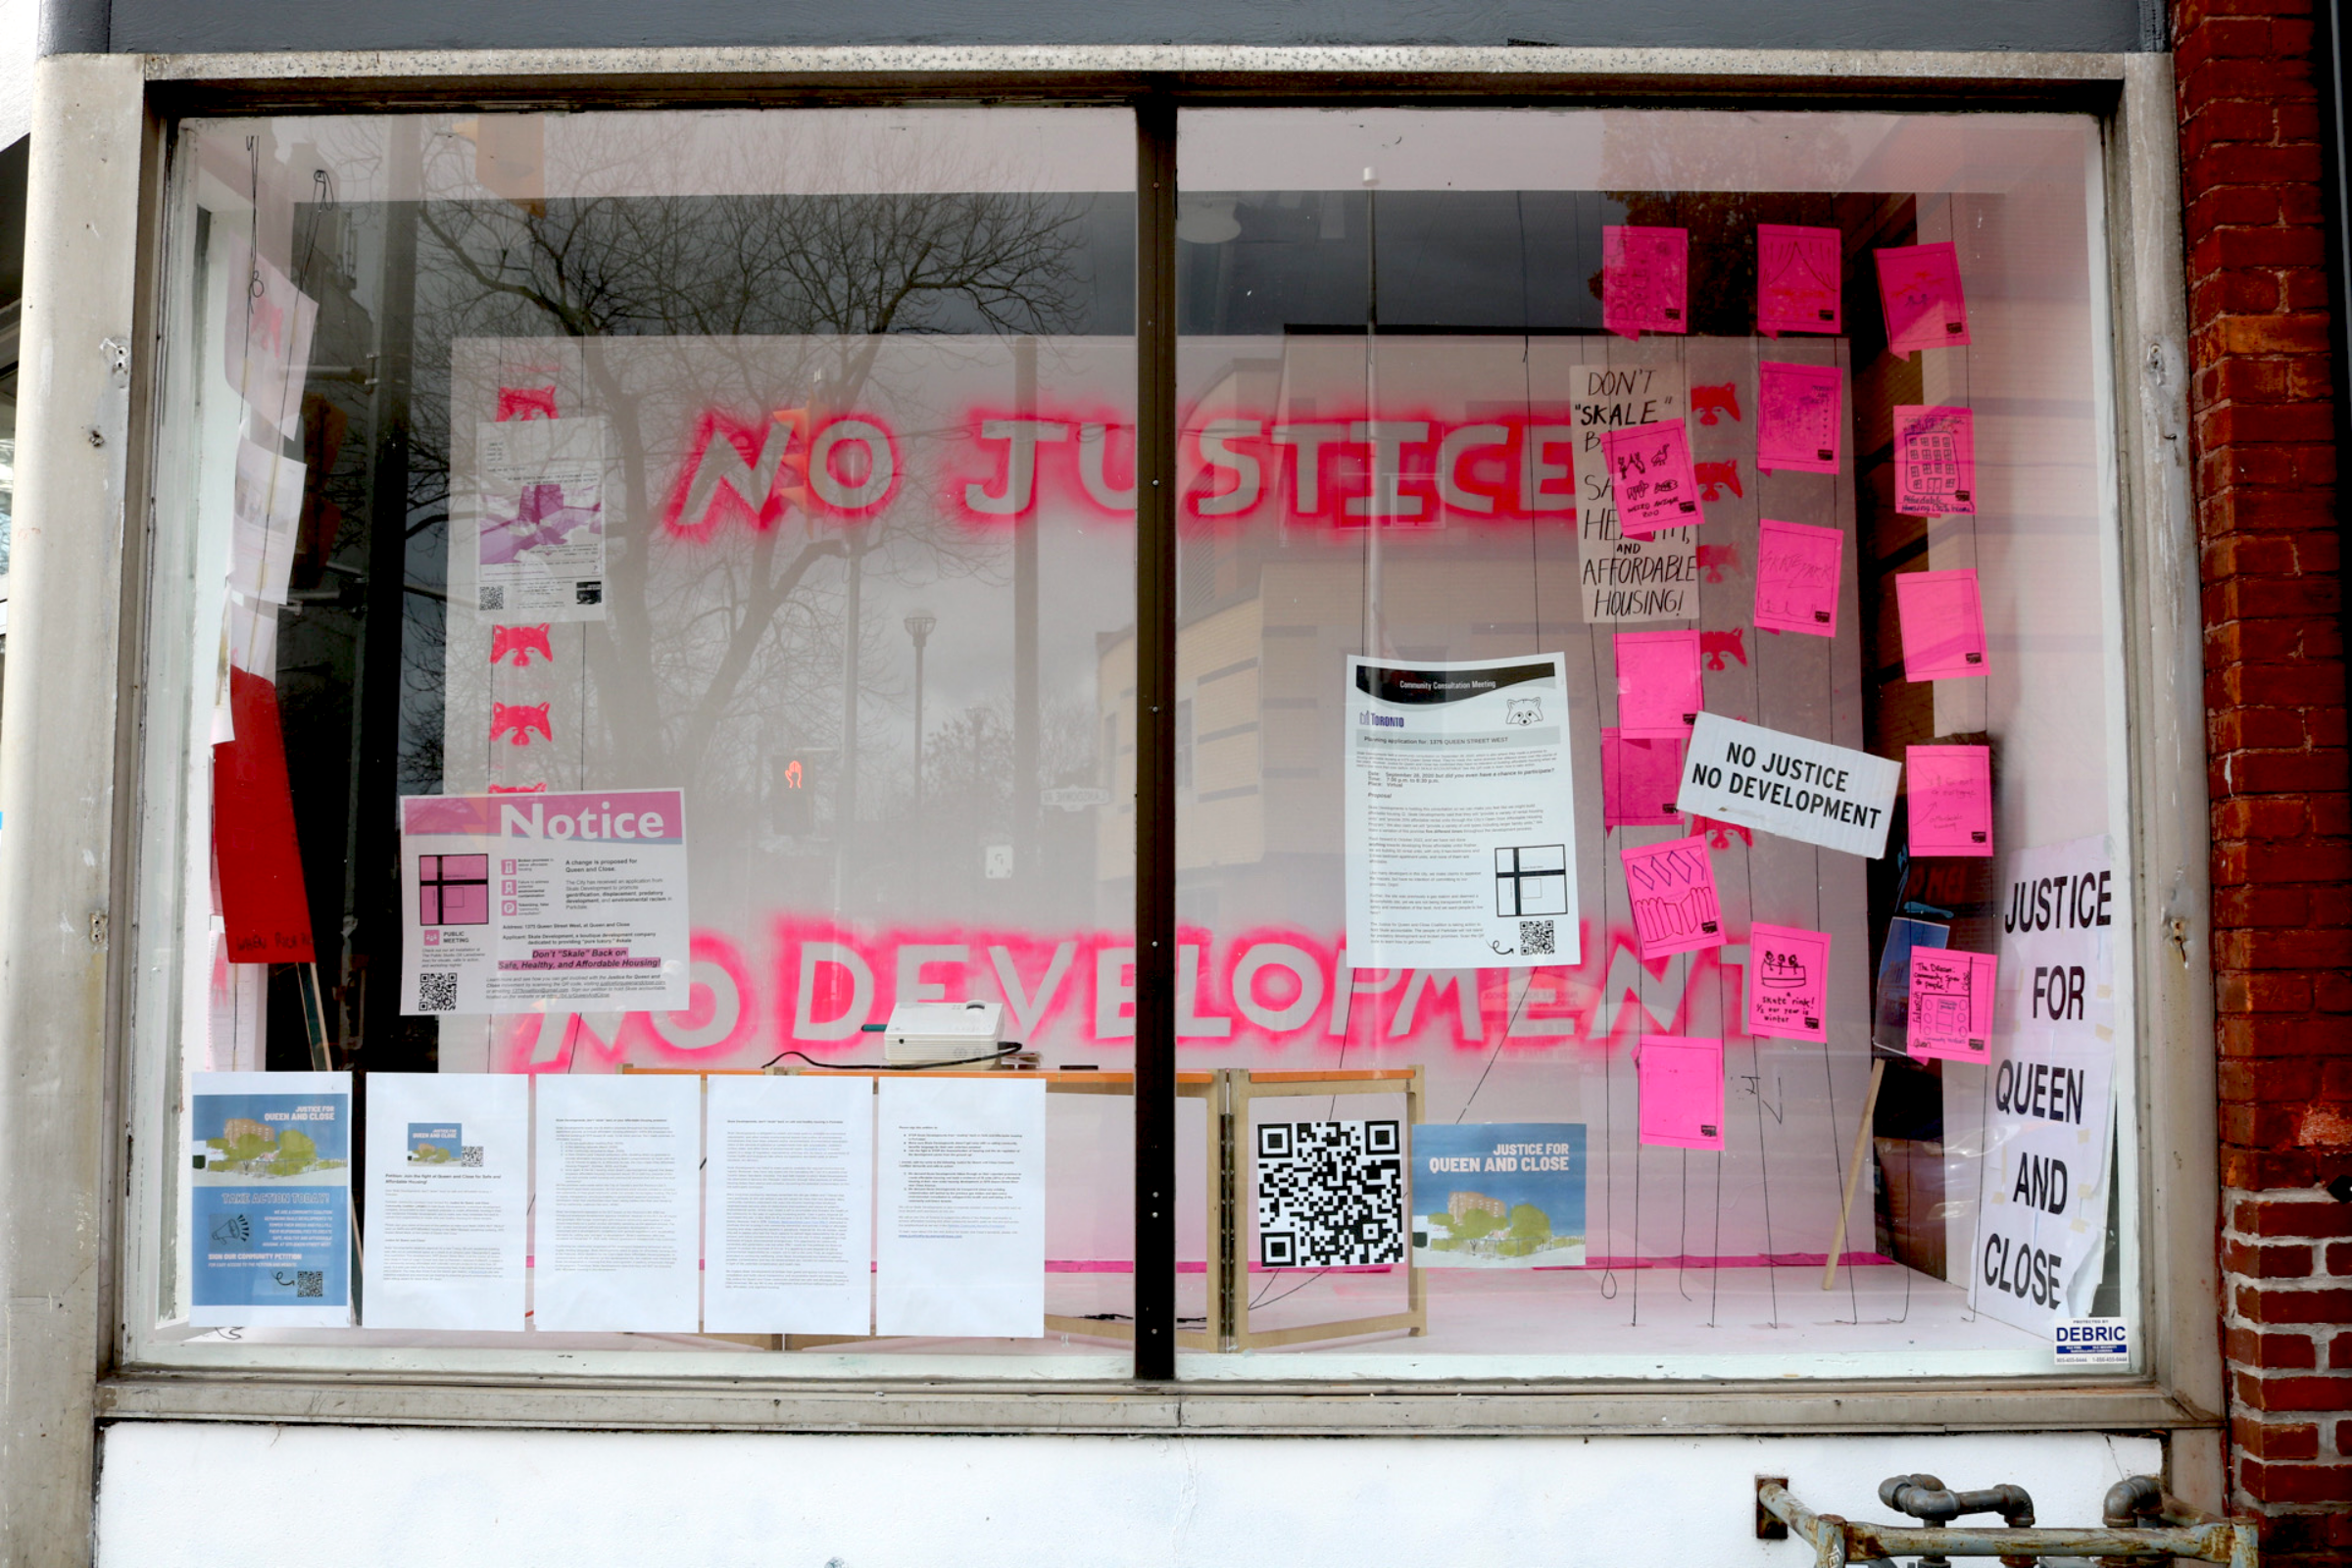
1007, 1049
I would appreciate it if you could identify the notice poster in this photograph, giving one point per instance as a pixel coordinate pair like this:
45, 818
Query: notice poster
960, 1213
1934, 460
619, 1189
2041, 1208
1654, 576
1672, 887
1788, 983
1461, 817
1682, 1092
517, 903
1498, 1195
1798, 271
1644, 279
448, 1171
1942, 615
1950, 800
1920, 287
1800, 788
1798, 425
1651, 470
266, 350
1951, 1005
264, 512
541, 540
1797, 568
270, 1200
789, 1205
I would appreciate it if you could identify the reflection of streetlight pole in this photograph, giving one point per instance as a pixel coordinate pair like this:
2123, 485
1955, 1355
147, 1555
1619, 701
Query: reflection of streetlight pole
918, 628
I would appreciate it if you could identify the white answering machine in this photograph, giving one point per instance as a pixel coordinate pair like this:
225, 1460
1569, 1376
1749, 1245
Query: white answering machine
927, 1033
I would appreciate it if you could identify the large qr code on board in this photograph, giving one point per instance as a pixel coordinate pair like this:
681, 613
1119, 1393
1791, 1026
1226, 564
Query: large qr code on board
1329, 1193
436, 993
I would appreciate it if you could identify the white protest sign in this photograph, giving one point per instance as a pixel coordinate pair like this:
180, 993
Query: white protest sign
1786, 784
2057, 940
1628, 579
2042, 1212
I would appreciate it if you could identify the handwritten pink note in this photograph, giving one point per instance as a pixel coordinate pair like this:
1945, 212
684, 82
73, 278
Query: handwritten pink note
1797, 417
1798, 270
1682, 1092
1673, 890
1950, 794
1652, 477
1943, 624
1659, 688
1920, 285
1638, 778
1788, 982
1934, 460
1644, 279
1797, 566
1951, 1005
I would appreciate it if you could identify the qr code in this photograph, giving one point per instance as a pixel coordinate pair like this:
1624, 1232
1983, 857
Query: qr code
494, 596
470, 1155
436, 993
1536, 937
311, 1283
1329, 1193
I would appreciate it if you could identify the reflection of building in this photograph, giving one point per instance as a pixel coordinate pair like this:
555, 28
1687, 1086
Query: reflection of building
1459, 1203
237, 1129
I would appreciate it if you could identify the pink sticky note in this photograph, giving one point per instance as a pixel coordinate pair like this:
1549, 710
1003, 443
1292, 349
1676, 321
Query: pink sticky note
1951, 1005
1659, 688
1798, 424
1950, 792
1682, 1092
1644, 279
1920, 287
1798, 270
1934, 460
1797, 566
1673, 890
1943, 624
1639, 776
1788, 983
1652, 477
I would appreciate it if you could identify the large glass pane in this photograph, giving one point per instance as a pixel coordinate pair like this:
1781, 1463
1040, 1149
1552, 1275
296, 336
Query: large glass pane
675, 555
1555, 837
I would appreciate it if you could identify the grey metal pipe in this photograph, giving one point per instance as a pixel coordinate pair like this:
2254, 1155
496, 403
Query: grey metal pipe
75, 28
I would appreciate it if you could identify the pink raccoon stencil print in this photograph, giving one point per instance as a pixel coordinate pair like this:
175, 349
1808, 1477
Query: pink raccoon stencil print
522, 642
1715, 477
517, 720
1713, 645
1711, 402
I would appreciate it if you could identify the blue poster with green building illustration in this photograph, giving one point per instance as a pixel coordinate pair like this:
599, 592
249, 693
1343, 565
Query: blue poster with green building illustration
269, 1199
1498, 1195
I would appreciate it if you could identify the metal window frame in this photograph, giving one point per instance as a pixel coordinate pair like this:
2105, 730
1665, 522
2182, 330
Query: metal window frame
2181, 1393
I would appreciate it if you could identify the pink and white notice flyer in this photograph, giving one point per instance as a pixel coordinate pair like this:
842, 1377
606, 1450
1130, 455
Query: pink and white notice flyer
525, 903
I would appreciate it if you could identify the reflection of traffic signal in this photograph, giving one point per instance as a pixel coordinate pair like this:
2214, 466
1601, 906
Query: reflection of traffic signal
792, 800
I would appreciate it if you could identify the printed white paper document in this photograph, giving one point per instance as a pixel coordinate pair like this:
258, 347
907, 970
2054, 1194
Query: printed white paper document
790, 1186
1801, 789
541, 545
516, 902
960, 1238
618, 1179
448, 1199
2042, 1215
1461, 820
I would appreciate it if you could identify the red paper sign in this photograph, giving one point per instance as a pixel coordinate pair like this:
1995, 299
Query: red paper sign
1797, 271
262, 899
1682, 1092
1644, 279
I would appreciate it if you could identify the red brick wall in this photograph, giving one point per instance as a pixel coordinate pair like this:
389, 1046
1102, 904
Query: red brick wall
2274, 700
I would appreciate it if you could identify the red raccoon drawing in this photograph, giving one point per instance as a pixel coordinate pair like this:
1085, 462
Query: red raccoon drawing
1713, 476
1716, 557
521, 642
1707, 401
517, 720
1719, 834
531, 402
1715, 644
539, 788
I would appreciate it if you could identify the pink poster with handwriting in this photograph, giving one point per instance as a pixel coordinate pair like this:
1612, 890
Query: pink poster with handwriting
1798, 273
1798, 566
1942, 617
1682, 1090
1950, 792
1934, 460
1652, 477
1920, 287
1672, 886
1951, 1005
1644, 279
1788, 982
1659, 687
1798, 418
1638, 777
